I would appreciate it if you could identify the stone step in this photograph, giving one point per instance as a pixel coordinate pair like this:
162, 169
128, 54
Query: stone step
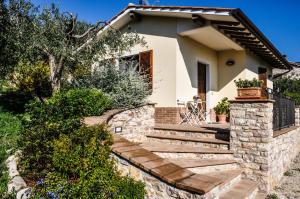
218, 132
229, 178
182, 151
206, 165
245, 189
188, 140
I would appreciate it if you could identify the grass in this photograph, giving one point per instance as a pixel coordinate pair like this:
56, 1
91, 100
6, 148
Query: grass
272, 196
9, 131
288, 173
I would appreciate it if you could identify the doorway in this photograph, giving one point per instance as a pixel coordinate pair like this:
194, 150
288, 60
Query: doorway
202, 77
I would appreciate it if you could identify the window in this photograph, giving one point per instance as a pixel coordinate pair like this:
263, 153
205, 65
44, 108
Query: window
143, 63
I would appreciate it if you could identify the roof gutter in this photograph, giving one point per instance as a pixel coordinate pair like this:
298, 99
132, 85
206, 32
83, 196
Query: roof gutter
246, 22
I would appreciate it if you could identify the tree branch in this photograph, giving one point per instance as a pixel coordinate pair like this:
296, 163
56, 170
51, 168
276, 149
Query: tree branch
73, 23
92, 29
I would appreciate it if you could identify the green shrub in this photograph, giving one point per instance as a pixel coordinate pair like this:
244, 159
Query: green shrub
33, 79
80, 102
60, 115
14, 100
248, 83
83, 169
70, 159
126, 87
222, 107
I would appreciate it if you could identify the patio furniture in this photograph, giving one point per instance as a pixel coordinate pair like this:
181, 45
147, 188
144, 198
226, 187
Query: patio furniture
192, 112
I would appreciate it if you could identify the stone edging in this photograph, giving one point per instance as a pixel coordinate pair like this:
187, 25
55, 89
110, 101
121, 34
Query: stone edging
16, 182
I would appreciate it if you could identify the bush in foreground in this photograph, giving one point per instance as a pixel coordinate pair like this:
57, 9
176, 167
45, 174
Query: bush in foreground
68, 159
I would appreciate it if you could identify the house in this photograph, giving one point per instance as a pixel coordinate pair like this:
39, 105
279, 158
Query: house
197, 51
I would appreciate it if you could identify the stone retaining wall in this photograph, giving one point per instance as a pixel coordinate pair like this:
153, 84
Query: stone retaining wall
284, 149
263, 157
157, 189
135, 123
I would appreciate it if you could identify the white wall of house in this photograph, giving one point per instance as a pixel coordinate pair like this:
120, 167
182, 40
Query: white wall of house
227, 74
160, 36
189, 53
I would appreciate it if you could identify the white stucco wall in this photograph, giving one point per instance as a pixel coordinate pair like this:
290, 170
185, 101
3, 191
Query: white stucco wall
227, 74
160, 36
189, 53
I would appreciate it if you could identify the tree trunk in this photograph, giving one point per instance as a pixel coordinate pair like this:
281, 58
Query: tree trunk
55, 78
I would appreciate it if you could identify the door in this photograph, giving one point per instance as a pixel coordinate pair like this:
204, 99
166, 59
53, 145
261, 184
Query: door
202, 81
262, 75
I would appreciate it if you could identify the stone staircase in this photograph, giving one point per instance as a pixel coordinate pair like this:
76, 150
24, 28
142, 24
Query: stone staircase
193, 159
203, 150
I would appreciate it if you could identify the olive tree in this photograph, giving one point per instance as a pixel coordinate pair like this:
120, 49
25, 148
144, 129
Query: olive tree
61, 40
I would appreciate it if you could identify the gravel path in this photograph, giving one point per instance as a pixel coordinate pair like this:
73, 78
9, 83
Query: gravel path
289, 187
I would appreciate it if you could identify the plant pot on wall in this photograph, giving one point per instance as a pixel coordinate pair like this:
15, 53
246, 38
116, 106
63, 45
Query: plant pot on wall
249, 89
249, 93
222, 118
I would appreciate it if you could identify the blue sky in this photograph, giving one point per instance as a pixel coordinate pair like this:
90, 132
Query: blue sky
279, 20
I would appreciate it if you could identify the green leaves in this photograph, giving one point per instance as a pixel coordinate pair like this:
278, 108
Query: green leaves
222, 107
248, 83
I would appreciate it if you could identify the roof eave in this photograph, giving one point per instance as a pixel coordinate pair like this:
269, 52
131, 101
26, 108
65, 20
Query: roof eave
239, 15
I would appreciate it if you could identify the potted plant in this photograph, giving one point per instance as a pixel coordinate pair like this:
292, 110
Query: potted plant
249, 89
222, 110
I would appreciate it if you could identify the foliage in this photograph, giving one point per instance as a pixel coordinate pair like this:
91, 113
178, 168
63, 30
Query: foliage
10, 127
272, 196
293, 95
289, 87
59, 115
33, 79
127, 88
84, 157
222, 107
73, 160
12, 99
60, 39
248, 83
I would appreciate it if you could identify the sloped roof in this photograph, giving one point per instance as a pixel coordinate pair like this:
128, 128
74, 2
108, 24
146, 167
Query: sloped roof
230, 21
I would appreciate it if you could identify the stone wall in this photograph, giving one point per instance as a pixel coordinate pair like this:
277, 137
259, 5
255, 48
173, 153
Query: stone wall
284, 149
251, 137
263, 156
297, 116
155, 188
135, 123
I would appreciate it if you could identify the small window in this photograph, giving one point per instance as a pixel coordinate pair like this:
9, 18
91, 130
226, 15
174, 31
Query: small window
142, 62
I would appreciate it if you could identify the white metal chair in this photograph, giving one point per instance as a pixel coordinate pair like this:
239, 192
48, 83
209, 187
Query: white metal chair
183, 112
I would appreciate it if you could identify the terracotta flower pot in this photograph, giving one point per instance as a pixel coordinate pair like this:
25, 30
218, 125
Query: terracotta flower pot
249, 93
222, 119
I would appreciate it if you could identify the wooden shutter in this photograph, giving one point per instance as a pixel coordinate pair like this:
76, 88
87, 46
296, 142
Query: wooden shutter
262, 75
146, 65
